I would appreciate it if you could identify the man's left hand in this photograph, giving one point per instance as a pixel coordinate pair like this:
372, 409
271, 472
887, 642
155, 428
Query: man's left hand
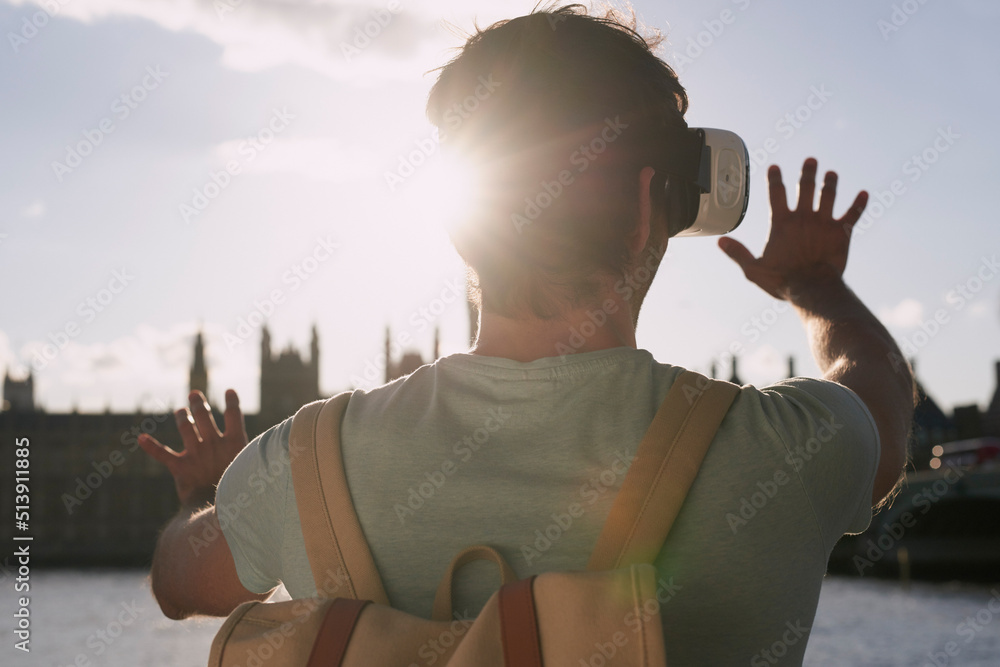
207, 451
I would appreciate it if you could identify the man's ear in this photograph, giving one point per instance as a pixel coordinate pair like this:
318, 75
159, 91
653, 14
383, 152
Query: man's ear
636, 241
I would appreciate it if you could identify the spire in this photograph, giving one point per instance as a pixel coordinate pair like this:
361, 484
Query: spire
994, 407
437, 343
791, 366
314, 360
198, 379
388, 357
314, 348
735, 378
713, 370
265, 345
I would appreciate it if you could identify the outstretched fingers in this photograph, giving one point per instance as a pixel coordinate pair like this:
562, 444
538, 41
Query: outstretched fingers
235, 425
854, 213
776, 191
738, 253
186, 427
158, 451
828, 195
807, 186
203, 417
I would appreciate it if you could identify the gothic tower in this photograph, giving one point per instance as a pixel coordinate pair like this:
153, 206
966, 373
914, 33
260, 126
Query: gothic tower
991, 419
735, 377
287, 381
18, 395
198, 380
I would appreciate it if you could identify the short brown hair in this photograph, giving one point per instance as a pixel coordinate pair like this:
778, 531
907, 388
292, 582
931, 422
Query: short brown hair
559, 79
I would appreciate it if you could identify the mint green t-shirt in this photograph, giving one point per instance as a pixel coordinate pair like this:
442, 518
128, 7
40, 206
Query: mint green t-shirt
528, 457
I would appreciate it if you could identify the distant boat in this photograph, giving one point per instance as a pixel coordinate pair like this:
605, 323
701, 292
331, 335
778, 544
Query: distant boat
944, 524
966, 453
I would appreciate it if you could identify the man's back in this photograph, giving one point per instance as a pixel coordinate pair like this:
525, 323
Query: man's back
527, 457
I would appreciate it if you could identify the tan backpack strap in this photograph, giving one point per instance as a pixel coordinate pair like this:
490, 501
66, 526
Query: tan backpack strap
442, 600
338, 553
665, 465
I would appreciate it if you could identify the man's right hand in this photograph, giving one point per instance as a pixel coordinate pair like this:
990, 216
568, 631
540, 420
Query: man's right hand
804, 245
803, 262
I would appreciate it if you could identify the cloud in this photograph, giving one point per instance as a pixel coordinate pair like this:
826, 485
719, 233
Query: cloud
315, 158
907, 314
762, 365
34, 210
8, 359
147, 368
344, 40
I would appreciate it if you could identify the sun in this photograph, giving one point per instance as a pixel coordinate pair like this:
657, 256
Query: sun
440, 194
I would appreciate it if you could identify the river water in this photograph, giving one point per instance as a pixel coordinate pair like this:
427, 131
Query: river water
109, 618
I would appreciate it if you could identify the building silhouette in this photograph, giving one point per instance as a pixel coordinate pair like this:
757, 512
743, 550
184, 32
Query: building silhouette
991, 418
98, 499
409, 361
18, 395
287, 381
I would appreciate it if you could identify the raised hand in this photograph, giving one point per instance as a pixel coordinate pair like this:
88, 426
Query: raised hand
207, 452
803, 244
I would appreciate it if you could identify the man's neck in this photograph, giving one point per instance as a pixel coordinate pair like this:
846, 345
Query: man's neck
600, 327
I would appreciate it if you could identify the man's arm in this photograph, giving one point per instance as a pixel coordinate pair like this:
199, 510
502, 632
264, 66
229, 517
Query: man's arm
193, 571
803, 262
853, 348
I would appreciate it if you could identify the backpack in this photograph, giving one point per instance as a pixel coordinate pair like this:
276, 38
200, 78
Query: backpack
606, 615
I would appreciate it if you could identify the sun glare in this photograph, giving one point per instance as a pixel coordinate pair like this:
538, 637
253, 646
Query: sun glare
440, 194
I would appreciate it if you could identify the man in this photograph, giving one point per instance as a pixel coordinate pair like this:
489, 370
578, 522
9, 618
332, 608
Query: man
497, 445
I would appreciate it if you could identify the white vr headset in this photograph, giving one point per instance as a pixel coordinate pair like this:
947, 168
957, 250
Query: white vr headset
707, 180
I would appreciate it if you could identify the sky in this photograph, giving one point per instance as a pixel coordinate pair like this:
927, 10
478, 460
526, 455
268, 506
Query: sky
171, 166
